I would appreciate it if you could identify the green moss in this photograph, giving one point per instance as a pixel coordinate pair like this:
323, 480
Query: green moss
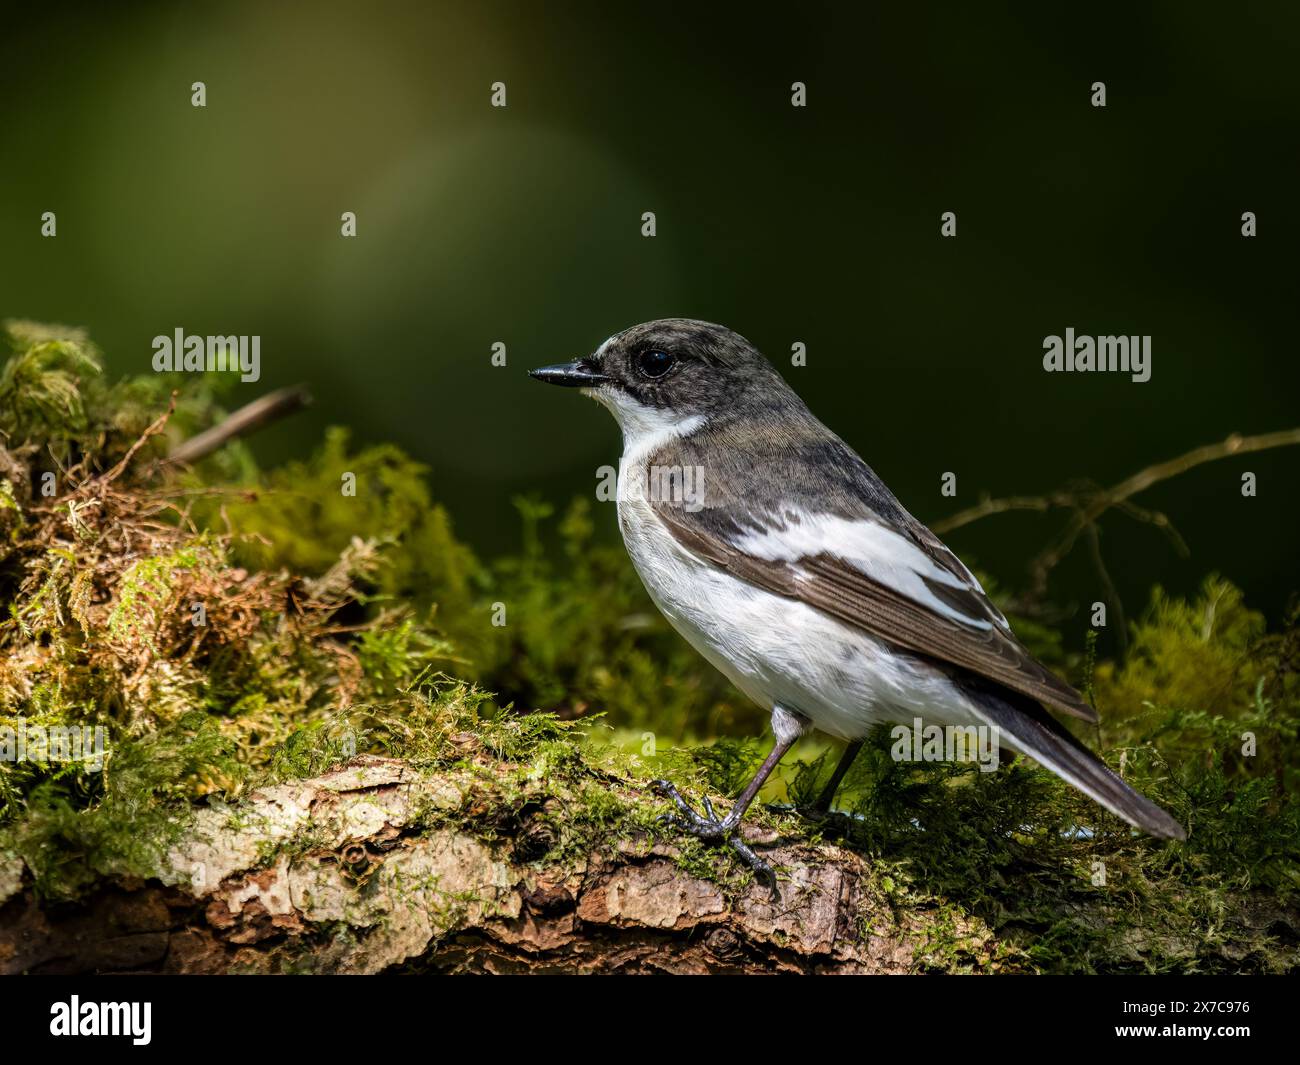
147, 591
1073, 887
121, 821
1205, 680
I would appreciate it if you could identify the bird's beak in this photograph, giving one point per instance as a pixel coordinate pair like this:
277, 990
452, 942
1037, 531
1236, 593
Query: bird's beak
576, 374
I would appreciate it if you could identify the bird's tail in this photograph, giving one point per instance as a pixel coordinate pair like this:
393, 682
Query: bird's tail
1028, 728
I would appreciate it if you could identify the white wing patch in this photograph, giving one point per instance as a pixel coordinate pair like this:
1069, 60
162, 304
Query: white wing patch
879, 553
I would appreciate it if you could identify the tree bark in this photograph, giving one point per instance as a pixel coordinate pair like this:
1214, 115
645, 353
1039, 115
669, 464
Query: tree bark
374, 867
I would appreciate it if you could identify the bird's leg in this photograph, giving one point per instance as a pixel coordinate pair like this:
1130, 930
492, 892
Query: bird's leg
788, 727
823, 802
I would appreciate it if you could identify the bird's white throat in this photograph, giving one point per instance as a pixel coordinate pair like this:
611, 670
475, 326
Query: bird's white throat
645, 428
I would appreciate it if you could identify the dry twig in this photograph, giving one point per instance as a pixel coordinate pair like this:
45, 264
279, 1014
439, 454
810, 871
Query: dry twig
1088, 504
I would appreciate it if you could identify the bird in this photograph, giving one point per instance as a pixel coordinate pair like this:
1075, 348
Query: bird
785, 561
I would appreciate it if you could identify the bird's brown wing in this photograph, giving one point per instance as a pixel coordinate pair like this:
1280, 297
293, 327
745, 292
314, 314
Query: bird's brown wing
828, 582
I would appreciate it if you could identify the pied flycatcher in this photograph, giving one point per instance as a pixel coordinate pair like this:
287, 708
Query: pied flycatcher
785, 561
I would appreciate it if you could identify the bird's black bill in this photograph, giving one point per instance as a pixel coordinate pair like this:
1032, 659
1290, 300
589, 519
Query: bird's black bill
575, 374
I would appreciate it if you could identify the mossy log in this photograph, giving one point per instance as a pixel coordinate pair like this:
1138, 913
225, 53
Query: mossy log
370, 868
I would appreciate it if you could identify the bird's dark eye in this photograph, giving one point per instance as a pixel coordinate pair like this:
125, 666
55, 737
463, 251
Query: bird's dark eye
654, 363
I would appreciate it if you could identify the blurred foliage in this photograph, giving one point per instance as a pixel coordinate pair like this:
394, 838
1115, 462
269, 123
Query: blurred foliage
583, 633
563, 625
1211, 685
334, 623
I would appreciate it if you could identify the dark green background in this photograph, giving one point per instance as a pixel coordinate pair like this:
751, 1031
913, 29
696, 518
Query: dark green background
819, 225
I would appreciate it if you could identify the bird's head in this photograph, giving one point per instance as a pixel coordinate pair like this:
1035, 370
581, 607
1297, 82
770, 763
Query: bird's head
665, 375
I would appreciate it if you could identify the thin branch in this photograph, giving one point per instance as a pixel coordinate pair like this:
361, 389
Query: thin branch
1160, 520
252, 416
988, 505
1140, 481
1088, 504
1092, 509
1109, 590
154, 429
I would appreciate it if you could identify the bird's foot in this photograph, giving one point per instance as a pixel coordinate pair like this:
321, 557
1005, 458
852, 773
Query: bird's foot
815, 813
708, 826
829, 821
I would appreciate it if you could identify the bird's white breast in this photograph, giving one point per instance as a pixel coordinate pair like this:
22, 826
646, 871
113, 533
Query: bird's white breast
775, 649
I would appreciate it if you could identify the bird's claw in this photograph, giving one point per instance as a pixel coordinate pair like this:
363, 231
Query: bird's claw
707, 826
713, 828
763, 872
